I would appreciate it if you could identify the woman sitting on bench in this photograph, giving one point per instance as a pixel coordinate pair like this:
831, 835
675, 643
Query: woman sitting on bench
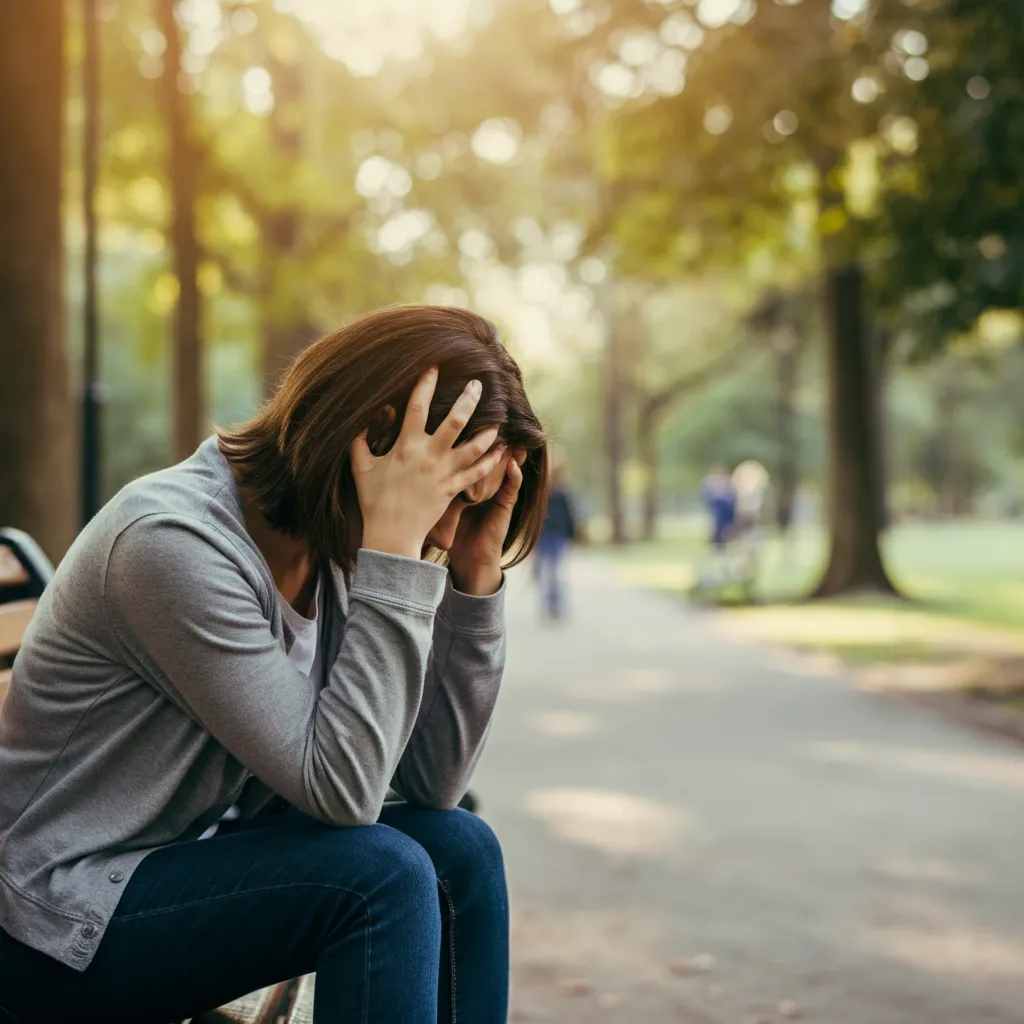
250, 648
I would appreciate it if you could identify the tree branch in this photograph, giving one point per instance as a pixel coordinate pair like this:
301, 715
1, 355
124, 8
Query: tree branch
657, 403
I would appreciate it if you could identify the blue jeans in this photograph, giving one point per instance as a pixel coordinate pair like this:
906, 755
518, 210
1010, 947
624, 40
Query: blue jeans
551, 549
404, 922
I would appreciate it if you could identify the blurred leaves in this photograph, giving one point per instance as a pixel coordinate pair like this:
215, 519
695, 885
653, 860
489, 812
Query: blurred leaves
651, 166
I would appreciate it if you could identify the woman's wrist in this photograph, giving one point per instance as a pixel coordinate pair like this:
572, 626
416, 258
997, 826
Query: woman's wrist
477, 582
391, 545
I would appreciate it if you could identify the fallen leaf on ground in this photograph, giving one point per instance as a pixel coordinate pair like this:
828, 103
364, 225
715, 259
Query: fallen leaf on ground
577, 987
683, 966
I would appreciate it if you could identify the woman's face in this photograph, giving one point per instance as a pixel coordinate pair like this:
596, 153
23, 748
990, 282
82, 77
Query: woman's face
442, 535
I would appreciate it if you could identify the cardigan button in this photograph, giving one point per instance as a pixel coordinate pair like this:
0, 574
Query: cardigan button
116, 876
88, 930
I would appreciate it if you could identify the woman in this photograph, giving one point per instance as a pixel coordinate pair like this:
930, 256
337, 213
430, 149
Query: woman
306, 612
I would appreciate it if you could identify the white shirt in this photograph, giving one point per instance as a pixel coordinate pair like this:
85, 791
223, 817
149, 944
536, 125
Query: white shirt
304, 654
305, 650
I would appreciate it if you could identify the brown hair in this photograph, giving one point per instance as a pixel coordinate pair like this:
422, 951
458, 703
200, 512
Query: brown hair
293, 456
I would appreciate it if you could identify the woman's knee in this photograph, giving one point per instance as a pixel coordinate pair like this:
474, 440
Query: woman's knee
401, 867
471, 853
375, 862
465, 851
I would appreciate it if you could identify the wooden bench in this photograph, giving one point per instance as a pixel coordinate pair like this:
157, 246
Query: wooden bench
24, 573
291, 1002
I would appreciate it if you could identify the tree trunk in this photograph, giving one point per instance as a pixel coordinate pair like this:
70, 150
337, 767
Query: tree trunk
613, 388
787, 474
281, 341
188, 401
37, 491
92, 433
647, 443
286, 329
882, 343
854, 508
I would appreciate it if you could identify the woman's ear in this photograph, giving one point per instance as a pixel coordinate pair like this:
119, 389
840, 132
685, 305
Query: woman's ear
382, 432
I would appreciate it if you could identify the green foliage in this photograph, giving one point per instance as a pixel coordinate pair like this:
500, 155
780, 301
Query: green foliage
955, 436
701, 162
734, 419
957, 228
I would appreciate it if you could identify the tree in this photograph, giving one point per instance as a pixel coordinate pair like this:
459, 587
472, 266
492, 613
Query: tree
786, 321
855, 507
957, 224
772, 115
189, 411
36, 436
679, 339
288, 168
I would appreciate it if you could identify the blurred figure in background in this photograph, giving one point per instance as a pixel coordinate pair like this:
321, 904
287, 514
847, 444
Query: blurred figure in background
720, 500
750, 487
559, 531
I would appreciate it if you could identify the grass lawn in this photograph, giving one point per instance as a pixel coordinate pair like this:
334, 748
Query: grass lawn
965, 582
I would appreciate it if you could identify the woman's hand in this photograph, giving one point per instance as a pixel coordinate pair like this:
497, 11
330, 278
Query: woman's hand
475, 555
404, 493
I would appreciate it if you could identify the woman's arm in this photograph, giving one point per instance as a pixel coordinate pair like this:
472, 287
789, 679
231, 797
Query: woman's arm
463, 679
191, 617
468, 656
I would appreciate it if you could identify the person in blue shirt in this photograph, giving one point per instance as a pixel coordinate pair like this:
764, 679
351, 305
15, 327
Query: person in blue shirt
559, 531
720, 500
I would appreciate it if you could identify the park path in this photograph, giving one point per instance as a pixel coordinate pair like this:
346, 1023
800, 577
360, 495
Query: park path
699, 831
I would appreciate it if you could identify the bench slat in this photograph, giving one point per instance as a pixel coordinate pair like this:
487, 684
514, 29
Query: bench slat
291, 1002
12, 572
302, 1001
14, 620
263, 1007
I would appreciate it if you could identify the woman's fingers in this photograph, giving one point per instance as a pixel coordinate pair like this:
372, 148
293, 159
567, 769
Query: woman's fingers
359, 453
509, 490
476, 447
478, 470
418, 409
459, 415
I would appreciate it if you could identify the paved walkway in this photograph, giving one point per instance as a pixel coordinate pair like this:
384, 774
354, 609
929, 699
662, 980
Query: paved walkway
703, 832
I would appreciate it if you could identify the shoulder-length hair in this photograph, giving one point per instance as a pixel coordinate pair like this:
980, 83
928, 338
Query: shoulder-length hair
293, 456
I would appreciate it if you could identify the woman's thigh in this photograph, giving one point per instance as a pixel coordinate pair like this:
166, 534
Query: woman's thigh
202, 923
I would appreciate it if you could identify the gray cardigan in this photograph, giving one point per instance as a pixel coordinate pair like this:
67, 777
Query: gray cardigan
154, 683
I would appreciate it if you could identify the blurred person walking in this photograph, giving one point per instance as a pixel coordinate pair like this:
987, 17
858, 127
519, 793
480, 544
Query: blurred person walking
719, 498
560, 530
750, 481
750, 486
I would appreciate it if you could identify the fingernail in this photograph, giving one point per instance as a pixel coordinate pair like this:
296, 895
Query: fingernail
475, 387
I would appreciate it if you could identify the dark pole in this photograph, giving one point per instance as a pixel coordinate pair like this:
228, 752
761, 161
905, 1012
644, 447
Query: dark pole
91, 397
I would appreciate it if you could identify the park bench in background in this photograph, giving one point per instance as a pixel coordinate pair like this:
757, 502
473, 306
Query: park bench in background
24, 573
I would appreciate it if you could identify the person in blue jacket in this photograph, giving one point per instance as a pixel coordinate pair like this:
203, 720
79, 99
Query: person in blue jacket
720, 500
559, 531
